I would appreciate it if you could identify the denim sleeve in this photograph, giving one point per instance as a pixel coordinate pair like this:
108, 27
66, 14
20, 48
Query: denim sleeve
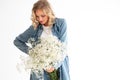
21, 40
63, 31
63, 38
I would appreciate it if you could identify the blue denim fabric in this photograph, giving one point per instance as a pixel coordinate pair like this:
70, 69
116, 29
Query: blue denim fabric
59, 29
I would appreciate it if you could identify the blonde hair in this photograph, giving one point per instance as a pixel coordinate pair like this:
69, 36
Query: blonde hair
46, 8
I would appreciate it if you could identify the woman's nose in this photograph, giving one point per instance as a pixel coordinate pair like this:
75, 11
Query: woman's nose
40, 18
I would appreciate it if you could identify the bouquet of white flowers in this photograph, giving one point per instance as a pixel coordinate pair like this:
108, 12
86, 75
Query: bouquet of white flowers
48, 53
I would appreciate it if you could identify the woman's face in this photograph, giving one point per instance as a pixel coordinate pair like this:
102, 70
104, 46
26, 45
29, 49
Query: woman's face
41, 17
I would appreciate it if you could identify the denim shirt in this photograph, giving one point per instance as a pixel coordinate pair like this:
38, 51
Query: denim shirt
59, 29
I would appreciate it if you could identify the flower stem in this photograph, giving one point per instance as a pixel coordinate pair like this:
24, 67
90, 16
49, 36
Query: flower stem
53, 75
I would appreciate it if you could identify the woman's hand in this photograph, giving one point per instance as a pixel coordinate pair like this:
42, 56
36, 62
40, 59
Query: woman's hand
50, 70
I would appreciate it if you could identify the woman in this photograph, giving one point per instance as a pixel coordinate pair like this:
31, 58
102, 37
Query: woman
44, 23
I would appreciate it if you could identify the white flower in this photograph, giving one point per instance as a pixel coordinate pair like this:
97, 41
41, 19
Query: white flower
46, 54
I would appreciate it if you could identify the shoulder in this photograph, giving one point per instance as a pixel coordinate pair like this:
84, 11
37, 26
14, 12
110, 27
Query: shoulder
29, 31
60, 21
60, 25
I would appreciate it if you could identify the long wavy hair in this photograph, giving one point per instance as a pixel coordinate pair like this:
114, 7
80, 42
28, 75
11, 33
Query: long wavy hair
43, 5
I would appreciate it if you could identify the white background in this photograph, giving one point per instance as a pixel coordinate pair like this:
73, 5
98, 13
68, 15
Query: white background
93, 33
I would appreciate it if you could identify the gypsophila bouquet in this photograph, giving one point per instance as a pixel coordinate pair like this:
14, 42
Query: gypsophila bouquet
48, 53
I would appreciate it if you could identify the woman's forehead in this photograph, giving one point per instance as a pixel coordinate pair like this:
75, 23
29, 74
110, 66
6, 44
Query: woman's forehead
40, 12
